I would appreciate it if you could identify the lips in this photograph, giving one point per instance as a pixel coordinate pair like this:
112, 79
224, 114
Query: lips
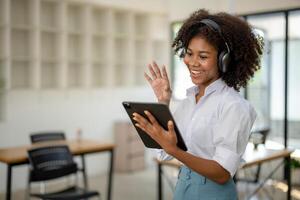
196, 73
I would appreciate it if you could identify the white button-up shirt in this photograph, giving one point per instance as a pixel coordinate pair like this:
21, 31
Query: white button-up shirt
217, 127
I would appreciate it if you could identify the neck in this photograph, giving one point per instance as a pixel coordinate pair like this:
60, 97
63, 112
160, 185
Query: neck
199, 95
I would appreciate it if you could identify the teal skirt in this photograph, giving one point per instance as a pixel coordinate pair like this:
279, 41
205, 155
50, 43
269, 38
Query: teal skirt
193, 186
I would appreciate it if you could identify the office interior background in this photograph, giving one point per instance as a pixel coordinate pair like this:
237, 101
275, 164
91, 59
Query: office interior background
68, 65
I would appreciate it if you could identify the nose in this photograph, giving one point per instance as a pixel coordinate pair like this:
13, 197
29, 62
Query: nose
193, 61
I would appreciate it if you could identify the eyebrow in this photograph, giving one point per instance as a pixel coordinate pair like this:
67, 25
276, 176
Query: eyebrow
208, 52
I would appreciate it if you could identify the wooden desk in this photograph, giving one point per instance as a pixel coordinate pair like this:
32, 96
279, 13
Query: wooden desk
14, 156
252, 157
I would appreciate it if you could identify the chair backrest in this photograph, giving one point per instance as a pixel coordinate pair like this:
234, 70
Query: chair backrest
51, 162
259, 136
47, 136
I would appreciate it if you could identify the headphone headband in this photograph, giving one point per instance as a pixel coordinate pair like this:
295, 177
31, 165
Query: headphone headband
215, 27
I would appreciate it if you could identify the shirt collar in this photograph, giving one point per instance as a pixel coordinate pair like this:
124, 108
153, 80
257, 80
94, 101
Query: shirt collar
216, 85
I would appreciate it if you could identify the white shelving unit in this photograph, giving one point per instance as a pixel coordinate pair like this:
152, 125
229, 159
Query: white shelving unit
69, 44
2, 105
2, 43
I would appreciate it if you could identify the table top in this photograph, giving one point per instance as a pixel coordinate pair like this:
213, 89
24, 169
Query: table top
261, 154
18, 155
251, 156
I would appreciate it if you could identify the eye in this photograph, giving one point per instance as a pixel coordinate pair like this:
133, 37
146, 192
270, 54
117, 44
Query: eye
203, 57
188, 53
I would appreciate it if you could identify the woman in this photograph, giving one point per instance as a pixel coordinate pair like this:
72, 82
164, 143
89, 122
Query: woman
221, 53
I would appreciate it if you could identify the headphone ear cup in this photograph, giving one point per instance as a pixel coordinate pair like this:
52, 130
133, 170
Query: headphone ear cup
223, 61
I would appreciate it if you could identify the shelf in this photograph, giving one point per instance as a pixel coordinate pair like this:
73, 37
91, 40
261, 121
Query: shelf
121, 23
140, 68
2, 74
74, 18
99, 21
120, 77
20, 43
49, 75
74, 75
75, 47
49, 15
19, 12
99, 48
2, 42
75, 33
99, 61
2, 105
100, 34
141, 25
121, 50
140, 50
2, 13
140, 38
21, 27
20, 75
20, 59
47, 29
99, 76
48, 45
121, 36
50, 60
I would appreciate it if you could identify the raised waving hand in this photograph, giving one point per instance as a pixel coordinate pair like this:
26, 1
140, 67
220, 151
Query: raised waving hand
159, 82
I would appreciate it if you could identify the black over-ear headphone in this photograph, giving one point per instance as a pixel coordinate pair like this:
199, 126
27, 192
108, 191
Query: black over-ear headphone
224, 56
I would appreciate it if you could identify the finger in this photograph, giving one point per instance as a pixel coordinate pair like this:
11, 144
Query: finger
140, 127
165, 74
143, 122
171, 127
152, 71
148, 78
157, 70
146, 131
151, 118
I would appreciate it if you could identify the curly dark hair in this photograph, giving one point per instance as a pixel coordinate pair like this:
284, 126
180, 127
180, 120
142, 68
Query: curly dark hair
246, 47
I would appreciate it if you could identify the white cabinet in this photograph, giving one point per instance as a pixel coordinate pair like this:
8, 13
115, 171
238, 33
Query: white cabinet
67, 44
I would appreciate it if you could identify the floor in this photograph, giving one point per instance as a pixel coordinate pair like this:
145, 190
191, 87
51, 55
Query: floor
141, 185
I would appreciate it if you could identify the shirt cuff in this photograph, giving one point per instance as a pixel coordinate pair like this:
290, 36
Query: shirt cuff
228, 159
162, 155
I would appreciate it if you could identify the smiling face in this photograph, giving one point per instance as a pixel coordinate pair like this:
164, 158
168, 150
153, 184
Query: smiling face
201, 60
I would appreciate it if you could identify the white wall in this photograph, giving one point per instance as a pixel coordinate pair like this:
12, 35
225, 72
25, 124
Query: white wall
94, 111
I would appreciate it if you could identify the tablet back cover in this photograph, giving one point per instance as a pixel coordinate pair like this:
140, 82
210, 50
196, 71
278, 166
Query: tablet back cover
162, 114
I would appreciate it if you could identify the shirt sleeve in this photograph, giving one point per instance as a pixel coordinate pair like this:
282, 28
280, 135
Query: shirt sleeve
231, 135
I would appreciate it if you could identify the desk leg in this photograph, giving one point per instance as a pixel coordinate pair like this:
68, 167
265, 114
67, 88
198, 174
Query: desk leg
8, 183
85, 182
110, 176
159, 178
288, 177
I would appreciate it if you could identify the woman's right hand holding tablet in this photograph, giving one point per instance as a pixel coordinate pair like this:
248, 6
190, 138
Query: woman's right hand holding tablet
159, 82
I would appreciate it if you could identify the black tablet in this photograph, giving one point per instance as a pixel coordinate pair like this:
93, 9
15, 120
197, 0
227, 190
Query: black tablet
161, 113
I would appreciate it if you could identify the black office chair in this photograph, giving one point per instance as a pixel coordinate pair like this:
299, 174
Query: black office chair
57, 135
53, 162
47, 136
